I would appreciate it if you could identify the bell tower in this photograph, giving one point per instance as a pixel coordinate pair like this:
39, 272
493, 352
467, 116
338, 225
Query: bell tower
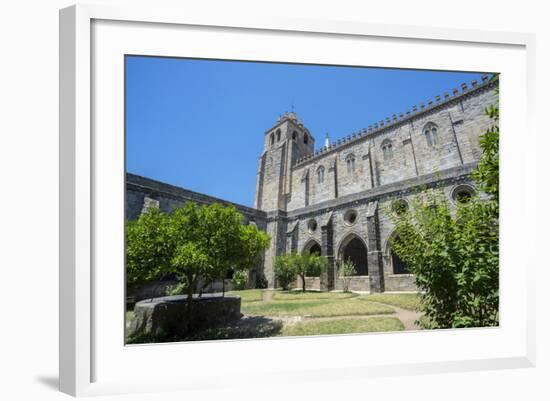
284, 143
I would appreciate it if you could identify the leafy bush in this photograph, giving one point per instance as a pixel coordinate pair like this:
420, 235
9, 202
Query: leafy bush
310, 264
240, 279
285, 270
347, 270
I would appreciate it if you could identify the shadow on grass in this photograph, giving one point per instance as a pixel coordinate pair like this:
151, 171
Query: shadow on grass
246, 327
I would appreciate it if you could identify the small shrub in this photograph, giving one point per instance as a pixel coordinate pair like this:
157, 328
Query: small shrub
347, 270
285, 270
240, 279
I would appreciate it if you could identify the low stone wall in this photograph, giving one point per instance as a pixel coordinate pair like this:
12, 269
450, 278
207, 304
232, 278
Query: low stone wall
393, 282
400, 282
312, 283
359, 283
160, 288
167, 316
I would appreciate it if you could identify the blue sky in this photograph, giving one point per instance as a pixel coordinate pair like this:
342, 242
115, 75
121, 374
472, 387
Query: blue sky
199, 124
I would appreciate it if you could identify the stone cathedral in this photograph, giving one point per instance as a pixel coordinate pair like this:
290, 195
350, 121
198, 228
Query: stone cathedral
337, 199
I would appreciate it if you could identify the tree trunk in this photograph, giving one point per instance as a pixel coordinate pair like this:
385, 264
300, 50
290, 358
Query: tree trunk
303, 282
189, 311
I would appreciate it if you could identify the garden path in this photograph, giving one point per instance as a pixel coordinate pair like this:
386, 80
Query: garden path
407, 317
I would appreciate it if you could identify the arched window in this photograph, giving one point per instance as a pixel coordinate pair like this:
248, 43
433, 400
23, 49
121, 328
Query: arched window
278, 135
312, 226
350, 162
397, 264
272, 138
387, 149
430, 131
294, 135
320, 175
305, 139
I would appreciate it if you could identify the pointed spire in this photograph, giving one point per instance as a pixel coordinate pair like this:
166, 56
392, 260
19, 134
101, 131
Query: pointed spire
327, 141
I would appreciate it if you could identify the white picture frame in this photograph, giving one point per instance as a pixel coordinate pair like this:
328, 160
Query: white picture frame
89, 366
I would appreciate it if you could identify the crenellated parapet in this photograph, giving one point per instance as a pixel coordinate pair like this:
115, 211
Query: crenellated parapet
400, 118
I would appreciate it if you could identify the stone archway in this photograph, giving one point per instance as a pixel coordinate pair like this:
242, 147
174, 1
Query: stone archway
398, 266
312, 247
312, 282
354, 249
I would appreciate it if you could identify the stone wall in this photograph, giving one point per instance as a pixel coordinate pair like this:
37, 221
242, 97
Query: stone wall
459, 121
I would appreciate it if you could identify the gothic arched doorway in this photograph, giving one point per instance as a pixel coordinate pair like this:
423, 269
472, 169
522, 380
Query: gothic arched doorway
315, 248
397, 264
312, 247
355, 250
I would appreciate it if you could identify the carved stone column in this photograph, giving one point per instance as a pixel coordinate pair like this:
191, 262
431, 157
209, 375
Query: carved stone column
292, 238
327, 278
376, 269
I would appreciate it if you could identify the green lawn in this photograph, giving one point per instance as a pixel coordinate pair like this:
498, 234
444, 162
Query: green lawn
340, 326
248, 295
269, 313
405, 301
315, 308
308, 295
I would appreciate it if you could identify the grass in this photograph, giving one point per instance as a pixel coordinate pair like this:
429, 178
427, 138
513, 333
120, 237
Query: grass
308, 295
315, 308
248, 295
248, 327
344, 326
327, 313
405, 301
129, 318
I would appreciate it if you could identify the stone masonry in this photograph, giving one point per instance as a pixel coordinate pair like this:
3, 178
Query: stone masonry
339, 198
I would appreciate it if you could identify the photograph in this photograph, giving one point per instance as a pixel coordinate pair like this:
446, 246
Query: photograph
275, 199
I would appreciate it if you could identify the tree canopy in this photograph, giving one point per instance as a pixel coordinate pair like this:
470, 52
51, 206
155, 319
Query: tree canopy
290, 265
199, 244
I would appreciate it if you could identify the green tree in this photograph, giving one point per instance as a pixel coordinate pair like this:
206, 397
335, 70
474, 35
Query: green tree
453, 251
347, 270
197, 243
487, 173
310, 264
190, 263
253, 243
288, 266
148, 247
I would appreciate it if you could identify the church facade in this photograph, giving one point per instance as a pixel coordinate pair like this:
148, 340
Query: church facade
338, 200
